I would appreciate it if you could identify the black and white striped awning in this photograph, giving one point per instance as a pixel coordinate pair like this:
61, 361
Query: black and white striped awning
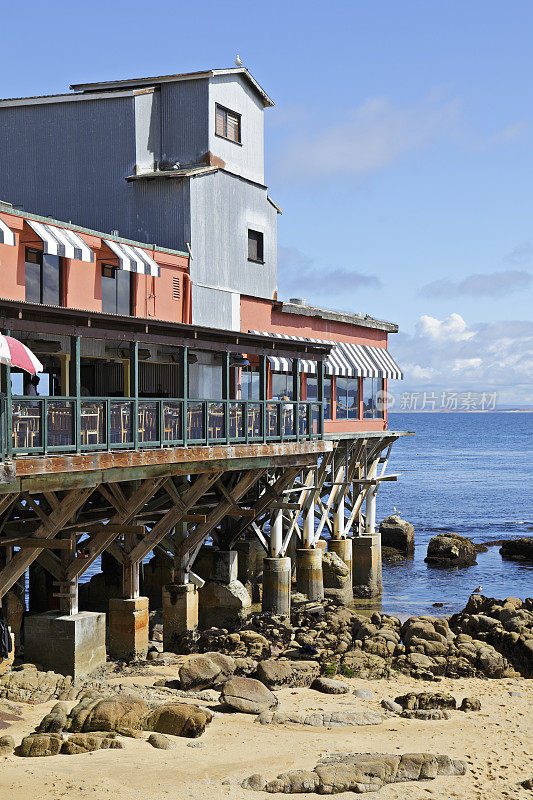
134, 259
6, 234
61, 241
345, 359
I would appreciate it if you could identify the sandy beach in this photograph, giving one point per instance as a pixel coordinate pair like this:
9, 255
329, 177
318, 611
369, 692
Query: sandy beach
496, 744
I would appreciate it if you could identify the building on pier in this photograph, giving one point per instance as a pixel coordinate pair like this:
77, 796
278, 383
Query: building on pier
181, 402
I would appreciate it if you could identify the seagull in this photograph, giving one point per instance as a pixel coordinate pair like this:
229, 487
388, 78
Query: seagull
238, 61
477, 590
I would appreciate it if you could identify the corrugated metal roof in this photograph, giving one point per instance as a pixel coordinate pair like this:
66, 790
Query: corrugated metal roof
103, 86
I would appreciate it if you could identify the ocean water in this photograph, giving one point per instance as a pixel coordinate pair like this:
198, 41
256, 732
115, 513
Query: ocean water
468, 473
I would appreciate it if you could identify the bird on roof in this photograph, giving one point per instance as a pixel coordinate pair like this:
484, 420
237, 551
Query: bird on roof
238, 61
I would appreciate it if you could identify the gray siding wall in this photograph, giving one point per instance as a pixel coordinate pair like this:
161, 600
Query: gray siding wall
246, 159
69, 160
223, 207
184, 121
161, 212
216, 308
147, 130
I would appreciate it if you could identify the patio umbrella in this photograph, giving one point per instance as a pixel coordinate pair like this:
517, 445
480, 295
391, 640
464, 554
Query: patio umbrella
15, 354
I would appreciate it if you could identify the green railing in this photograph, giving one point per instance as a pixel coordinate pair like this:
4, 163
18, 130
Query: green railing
44, 425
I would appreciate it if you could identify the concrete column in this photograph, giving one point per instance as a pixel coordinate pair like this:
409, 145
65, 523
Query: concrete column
343, 548
276, 533
309, 526
180, 612
128, 628
309, 578
367, 580
226, 566
277, 586
339, 521
71, 644
370, 526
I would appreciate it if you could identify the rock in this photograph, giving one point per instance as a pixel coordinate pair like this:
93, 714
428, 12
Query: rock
364, 694
397, 534
161, 742
7, 745
178, 719
330, 686
223, 604
196, 744
319, 719
451, 549
517, 549
470, 704
297, 781
122, 714
206, 671
358, 664
336, 577
255, 782
30, 685
40, 744
426, 714
56, 720
390, 705
527, 784
87, 742
248, 695
426, 700
516, 694
275, 673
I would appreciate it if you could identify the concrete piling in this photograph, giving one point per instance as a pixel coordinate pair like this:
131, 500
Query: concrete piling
180, 612
343, 548
128, 628
277, 586
309, 578
367, 580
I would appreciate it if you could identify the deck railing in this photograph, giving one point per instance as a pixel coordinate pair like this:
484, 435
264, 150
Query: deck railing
43, 425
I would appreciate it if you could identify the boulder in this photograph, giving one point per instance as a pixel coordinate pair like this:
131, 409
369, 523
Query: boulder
121, 714
223, 604
390, 705
426, 700
40, 744
161, 742
284, 672
248, 695
30, 685
451, 549
337, 580
319, 719
426, 714
206, 671
87, 742
178, 719
358, 664
518, 549
330, 686
56, 719
470, 704
398, 534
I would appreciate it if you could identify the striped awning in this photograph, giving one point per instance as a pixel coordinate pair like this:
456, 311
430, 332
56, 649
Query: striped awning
134, 259
6, 234
61, 241
345, 359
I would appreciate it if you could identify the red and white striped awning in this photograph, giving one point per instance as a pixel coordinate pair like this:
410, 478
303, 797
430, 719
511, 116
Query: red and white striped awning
15, 354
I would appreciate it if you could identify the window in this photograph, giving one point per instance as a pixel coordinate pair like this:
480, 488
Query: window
282, 386
227, 124
249, 383
372, 398
328, 383
255, 246
312, 387
347, 398
43, 278
116, 290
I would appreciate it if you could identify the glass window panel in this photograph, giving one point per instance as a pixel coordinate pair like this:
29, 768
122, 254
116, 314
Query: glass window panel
123, 281
249, 384
33, 282
312, 388
220, 119
109, 291
353, 398
51, 280
282, 388
328, 383
342, 398
368, 398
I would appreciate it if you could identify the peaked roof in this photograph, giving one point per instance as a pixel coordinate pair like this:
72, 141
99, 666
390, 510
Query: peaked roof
185, 76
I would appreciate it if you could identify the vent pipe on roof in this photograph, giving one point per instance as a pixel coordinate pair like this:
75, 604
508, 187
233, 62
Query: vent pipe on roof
298, 301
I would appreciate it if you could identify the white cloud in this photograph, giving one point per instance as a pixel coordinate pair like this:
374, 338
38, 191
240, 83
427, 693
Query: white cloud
450, 354
453, 329
372, 136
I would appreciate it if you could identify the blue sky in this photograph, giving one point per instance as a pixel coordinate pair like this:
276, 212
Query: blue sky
400, 149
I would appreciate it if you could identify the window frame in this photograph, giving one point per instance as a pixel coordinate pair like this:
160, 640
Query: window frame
40, 262
261, 248
344, 394
377, 385
103, 266
226, 111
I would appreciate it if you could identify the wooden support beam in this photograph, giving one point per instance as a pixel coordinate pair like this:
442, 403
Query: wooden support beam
133, 505
172, 517
217, 514
55, 544
68, 506
286, 506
